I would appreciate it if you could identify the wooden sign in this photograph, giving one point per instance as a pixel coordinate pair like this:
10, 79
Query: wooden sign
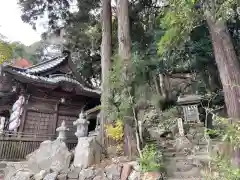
191, 113
180, 127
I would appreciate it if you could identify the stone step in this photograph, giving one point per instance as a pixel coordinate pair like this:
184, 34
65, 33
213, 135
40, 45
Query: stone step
182, 154
179, 178
173, 150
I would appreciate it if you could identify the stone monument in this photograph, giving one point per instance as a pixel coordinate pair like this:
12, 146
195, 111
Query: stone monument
180, 127
62, 131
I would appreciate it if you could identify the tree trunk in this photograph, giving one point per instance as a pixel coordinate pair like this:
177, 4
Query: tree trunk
106, 53
131, 140
228, 66
229, 69
124, 39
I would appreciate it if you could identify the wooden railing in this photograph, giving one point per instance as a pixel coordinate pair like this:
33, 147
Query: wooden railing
15, 147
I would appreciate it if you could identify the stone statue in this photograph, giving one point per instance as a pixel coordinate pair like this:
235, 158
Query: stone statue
2, 122
82, 126
62, 131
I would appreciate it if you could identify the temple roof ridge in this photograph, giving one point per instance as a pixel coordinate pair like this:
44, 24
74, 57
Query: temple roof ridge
46, 65
56, 79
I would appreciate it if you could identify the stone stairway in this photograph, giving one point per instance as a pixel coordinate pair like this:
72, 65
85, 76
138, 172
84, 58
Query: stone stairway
187, 163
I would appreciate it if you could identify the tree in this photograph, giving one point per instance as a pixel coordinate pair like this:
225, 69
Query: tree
125, 53
6, 51
31, 53
182, 17
106, 53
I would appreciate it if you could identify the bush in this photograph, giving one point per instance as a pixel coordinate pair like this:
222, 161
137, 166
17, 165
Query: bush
151, 160
114, 131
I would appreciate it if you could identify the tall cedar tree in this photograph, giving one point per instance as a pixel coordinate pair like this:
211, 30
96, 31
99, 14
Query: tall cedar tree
106, 53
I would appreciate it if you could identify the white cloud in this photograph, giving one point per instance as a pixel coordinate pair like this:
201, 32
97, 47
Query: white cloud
12, 26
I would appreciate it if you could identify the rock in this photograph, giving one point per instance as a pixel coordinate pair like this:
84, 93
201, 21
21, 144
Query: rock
99, 172
87, 152
194, 172
135, 165
100, 178
62, 177
135, 175
41, 175
113, 171
151, 176
22, 175
2, 174
50, 155
126, 170
182, 143
51, 176
183, 165
86, 174
156, 132
74, 173
3, 165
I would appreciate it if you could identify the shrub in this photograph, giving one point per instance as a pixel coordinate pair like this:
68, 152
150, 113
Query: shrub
151, 160
115, 132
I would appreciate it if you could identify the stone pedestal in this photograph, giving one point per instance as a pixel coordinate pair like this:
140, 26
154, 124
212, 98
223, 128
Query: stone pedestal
87, 152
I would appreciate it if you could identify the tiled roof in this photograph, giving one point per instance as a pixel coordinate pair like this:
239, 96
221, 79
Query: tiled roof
46, 65
188, 99
56, 79
33, 74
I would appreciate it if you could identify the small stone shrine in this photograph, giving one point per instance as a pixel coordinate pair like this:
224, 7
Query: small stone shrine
192, 125
189, 103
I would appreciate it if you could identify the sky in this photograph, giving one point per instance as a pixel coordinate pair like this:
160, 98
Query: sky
12, 26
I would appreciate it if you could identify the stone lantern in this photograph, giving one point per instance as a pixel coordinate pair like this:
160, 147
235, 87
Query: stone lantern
189, 103
62, 131
82, 126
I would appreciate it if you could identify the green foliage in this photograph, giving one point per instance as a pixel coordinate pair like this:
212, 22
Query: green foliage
56, 11
31, 53
178, 20
229, 131
151, 160
226, 170
6, 51
182, 16
222, 162
121, 104
226, 9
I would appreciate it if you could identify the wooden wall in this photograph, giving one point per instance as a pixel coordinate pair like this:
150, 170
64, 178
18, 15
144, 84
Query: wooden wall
44, 115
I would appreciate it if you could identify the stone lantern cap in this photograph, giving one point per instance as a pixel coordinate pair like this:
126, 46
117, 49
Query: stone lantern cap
62, 127
189, 99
